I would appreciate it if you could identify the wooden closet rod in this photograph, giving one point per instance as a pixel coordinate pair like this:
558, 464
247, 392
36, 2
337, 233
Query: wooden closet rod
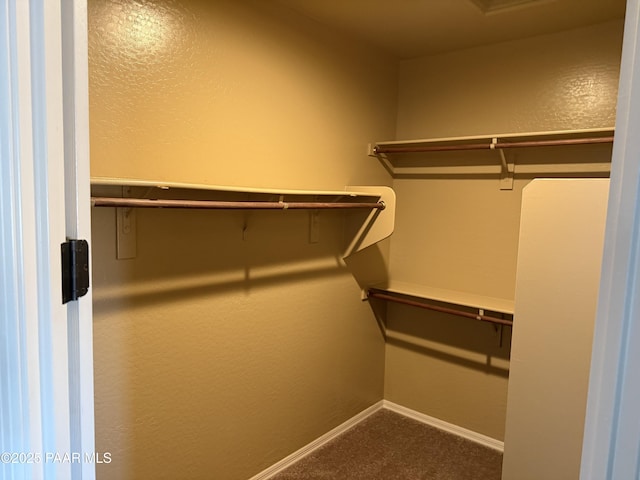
436, 308
489, 146
221, 205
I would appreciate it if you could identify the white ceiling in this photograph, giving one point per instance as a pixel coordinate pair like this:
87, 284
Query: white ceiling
412, 28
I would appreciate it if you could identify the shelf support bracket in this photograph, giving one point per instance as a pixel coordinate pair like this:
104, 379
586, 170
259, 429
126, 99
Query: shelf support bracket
314, 226
507, 167
126, 231
379, 224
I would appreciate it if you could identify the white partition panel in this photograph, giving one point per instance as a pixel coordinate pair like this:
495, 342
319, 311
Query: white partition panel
559, 261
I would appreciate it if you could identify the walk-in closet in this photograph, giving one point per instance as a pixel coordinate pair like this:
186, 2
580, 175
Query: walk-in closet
306, 211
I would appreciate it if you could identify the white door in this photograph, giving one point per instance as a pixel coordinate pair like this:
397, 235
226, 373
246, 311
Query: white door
46, 366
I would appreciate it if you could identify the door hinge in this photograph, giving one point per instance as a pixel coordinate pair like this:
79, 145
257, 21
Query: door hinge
75, 269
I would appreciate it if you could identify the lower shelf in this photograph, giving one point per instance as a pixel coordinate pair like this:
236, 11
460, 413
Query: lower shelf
444, 301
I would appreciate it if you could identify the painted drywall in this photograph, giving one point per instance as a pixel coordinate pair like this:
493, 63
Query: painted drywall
562, 81
236, 93
559, 260
218, 352
460, 231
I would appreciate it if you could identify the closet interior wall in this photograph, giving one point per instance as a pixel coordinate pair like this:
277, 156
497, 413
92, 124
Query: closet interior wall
460, 231
230, 340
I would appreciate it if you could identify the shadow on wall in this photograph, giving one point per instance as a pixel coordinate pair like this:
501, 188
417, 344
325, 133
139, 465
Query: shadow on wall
184, 255
222, 346
465, 342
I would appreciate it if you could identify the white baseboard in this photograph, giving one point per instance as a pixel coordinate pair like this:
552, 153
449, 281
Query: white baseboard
319, 442
445, 426
394, 407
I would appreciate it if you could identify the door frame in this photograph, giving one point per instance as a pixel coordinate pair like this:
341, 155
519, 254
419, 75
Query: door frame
46, 399
611, 446
75, 74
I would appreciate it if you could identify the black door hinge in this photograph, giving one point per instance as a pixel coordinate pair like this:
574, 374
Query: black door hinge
75, 269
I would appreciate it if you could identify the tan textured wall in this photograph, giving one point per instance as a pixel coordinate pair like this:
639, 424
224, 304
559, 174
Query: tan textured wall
554, 82
460, 232
217, 356
235, 93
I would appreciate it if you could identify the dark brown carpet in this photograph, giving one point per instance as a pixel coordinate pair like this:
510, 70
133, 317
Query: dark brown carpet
389, 446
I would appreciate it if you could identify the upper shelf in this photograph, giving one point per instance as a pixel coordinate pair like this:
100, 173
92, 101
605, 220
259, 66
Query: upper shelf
133, 193
168, 188
452, 155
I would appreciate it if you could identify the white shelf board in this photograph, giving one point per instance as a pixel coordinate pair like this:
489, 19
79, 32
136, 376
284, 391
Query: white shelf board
546, 135
456, 160
467, 299
378, 225
129, 182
